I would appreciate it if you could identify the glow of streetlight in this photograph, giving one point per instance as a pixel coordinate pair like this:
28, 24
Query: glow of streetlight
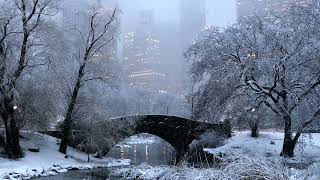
15, 107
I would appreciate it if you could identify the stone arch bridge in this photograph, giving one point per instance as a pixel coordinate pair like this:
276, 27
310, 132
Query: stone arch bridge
177, 131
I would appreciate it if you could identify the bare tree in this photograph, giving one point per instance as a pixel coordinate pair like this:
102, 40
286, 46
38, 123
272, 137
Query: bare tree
99, 34
24, 19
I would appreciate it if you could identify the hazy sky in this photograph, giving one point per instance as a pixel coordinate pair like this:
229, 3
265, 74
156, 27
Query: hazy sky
219, 12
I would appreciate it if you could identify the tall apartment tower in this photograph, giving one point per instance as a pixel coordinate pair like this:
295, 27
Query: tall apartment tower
247, 8
192, 20
141, 56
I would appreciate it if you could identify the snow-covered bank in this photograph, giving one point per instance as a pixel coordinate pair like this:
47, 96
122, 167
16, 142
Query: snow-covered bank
242, 168
235, 167
49, 161
269, 144
244, 157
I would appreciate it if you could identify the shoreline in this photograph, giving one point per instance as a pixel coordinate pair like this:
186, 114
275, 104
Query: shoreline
56, 169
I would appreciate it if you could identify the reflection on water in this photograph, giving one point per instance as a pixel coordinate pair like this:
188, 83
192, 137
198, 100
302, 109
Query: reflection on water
94, 174
158, 153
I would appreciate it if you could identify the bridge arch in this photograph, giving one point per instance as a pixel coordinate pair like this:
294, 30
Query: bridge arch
154, 150
177, 131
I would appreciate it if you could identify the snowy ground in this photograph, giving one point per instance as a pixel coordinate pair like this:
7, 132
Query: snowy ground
244, 158
269, 145
48, 161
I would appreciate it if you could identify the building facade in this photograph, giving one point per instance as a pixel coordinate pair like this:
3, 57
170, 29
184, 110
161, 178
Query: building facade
141, 56
192, 22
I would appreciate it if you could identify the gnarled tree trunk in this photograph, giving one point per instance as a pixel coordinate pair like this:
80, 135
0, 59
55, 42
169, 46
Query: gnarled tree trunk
13, 148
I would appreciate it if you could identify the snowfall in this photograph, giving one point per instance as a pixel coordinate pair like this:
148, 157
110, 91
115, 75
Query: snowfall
243, 157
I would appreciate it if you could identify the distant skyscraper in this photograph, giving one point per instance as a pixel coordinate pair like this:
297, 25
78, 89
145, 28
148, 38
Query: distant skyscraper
247, 8
192, 20
141, 56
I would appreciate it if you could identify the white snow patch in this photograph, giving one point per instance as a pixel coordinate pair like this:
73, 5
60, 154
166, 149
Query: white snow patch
240, 167
242, 157
269, 144
49, 161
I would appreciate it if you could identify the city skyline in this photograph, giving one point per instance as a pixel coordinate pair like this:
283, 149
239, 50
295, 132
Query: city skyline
141, 56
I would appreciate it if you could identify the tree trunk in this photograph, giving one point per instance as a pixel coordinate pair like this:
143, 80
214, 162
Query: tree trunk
68, 121
254, 131
288, 143
2, 142
66, 131
67, 124
254, 128
13, 148
288, 148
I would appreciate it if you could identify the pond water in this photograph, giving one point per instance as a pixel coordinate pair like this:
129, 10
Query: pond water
157, 153
94, 174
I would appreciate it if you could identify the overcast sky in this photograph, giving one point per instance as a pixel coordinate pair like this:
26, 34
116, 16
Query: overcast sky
219, 12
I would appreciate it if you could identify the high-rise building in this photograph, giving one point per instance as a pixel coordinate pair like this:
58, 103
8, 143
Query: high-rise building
141, 56
247, 8
192, 20
170, 52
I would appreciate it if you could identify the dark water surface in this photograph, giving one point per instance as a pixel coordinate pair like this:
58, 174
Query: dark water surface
158, 153
94, 174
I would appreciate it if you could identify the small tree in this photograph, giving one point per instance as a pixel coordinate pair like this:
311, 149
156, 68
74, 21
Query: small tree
100, 32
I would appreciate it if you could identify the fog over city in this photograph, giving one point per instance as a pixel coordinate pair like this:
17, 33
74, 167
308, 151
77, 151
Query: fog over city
160, 89
171, 25
218, 13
